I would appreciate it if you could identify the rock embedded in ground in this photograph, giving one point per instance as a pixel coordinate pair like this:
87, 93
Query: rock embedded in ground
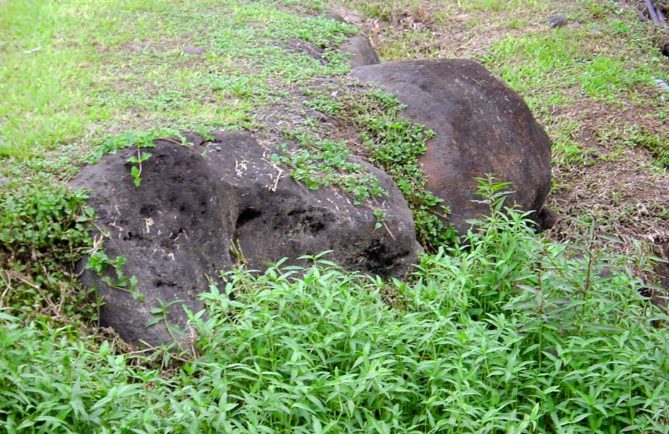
193, 50
202, 209
557, 20
361, 50
344, 15
481, 126
661, 84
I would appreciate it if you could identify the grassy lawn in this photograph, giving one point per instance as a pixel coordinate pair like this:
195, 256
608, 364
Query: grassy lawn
76, 71
508, 332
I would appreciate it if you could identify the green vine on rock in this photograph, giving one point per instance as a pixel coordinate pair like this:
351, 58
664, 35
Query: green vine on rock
385, 138
395, 144
319, 163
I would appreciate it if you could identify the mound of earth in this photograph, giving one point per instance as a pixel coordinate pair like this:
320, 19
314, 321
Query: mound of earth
204, 208
481, 126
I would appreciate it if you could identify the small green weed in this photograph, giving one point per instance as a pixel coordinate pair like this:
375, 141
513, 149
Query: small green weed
160, 313
138, 139
324, 105
136, 169
101, 264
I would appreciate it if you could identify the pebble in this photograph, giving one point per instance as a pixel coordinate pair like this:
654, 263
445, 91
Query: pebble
194, 50
557, 20
662, 84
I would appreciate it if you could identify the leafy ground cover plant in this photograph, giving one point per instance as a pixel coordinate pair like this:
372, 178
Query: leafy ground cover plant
513, 333
44, 231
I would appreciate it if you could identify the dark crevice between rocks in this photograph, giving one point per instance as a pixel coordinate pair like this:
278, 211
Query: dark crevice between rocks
378, 259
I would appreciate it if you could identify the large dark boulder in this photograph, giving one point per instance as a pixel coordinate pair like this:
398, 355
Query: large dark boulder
481, 127
203, 208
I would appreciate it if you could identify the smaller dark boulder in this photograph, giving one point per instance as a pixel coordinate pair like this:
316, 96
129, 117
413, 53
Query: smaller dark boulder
202, 209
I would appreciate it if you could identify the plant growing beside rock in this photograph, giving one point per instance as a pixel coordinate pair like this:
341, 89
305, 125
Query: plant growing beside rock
560, 345
219, 321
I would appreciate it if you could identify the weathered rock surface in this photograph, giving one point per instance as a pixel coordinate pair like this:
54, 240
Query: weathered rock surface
362, 52
178, 229
481, 127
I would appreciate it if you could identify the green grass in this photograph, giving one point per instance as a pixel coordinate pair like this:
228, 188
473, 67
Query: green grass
71, 70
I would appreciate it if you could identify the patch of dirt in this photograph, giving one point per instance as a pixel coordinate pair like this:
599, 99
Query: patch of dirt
621, 186
627, 197
307, 48
463, 34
